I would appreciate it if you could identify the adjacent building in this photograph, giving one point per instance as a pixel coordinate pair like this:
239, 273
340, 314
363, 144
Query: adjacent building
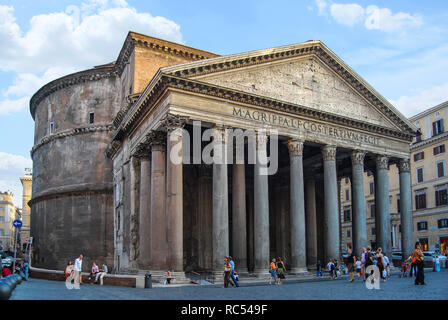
429, 182
26, 181
8, 213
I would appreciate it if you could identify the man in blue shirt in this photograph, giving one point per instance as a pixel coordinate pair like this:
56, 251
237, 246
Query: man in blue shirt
232, 264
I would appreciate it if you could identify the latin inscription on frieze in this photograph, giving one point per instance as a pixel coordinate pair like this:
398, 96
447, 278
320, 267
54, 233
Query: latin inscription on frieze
305, 126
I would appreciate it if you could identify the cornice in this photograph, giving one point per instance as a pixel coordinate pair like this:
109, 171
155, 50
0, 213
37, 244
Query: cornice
68, 133
95, 74
162, 81
135, 39
436, 139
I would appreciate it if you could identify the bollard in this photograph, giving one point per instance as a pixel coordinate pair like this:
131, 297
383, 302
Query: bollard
19, 278
10, 282
5, 290
148, 281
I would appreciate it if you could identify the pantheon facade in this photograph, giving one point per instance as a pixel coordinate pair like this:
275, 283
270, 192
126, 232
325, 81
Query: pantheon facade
105, 183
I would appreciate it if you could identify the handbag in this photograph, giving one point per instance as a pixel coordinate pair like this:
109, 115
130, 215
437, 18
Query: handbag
384, 273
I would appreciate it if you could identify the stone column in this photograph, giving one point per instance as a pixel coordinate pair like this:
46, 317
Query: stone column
144, 229
159, 248
331, 212
382, 204
407, 237
239, 217
310, 222
205, 209
261, 207
298, 233
359, 224
134, 208
220, 201
174, 192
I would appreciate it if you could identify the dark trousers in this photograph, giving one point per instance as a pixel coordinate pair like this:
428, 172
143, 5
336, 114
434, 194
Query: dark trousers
413, 269
226, 278
420, 277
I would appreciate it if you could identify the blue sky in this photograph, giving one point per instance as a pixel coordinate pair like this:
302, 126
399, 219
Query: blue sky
400, 47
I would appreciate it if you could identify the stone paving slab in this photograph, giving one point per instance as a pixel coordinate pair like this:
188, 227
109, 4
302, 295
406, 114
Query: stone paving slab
394, 289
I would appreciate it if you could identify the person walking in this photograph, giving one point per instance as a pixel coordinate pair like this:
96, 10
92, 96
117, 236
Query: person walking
380, 264
232, 274
368, 262
437, 264
387, 264
78, 269
330, 267
101, 273
363, 261
26, 269
418, 257
318, 269
336, 268
280, 270
227, 271
351, 260
272, 271
358, 267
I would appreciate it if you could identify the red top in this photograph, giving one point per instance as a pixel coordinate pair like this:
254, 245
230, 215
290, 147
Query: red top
6, 272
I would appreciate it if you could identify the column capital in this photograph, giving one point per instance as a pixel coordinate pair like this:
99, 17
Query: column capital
328, 152
295, 147
157, 140
382, 162
358, 157
220, 133
404, 165
143, 150
173, 121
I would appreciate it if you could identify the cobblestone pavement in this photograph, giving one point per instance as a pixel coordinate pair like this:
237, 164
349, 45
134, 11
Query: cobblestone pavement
394, 289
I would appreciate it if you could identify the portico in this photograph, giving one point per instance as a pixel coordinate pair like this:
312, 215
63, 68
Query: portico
299, 107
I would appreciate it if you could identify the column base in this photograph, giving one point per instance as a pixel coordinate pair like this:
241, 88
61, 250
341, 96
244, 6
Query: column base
299, 271
261, 273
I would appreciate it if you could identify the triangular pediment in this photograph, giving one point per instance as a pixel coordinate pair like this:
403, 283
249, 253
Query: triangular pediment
306, 74
302, 81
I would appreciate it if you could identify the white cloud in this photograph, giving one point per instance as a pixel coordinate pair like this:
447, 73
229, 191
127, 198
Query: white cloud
79, 37
347, 14
372, 17
10, 106
60, 43
12, 167
422, 100
321, 6
383, 19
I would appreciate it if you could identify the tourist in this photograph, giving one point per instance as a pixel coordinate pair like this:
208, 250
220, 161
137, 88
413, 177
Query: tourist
351, 260
272, 271
437, 264
418, 257
368, 263
280, 270
358, 266
387, 264
68, 270
381, 264
318, 269
78, 269
232, 274
101, 273
336, 268
6, 272
363, 261
93, 271
227, 271
26, 269
330, 267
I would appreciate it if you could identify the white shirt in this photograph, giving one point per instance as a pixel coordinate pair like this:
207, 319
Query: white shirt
329, 266
386, 260
78, 265
358, 264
